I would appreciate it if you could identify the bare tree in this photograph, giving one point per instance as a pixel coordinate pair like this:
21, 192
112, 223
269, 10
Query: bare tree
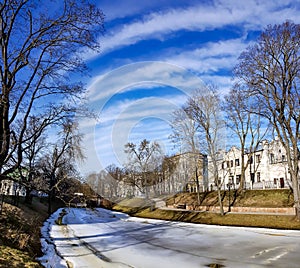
185, 134
247, 125
204, 108
113, 178
59, 161
38, 50
270, 71
143, 159
184, 131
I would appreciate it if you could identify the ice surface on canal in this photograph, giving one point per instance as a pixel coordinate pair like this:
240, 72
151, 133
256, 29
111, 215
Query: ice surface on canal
103, 238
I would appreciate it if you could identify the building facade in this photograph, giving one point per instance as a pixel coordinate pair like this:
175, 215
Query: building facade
265, 168
188, 167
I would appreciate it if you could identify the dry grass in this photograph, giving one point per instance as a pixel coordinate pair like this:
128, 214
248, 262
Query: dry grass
259, 198
20, 234
11, 257
249, 198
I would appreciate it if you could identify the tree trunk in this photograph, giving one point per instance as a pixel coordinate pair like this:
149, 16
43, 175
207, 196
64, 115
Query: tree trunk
28, 197
198, 187
296, 195
242, 179
220, 201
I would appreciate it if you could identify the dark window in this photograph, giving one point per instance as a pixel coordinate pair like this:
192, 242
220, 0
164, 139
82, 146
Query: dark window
237, 162
258, 176
231, 163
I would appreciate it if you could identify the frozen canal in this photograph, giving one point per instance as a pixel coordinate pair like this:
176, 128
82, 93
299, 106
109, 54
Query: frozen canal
102, 238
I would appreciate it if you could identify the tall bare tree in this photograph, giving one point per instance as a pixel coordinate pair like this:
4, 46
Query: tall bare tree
39, 47
185, 134
270, 71
58, 163
204, 108
248, 126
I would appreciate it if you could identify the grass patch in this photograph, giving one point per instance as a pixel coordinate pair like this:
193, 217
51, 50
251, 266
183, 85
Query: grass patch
252, 198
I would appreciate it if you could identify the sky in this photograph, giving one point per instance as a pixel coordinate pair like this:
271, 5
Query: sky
154, 54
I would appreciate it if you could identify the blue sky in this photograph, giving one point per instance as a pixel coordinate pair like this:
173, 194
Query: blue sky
153, 55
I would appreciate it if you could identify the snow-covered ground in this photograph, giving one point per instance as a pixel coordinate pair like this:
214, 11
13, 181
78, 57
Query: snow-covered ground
102, 238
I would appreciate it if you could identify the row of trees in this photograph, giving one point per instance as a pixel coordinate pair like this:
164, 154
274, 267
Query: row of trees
40, 47
146, 172
265, 100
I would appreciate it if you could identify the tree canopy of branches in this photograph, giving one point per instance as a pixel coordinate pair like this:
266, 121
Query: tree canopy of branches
246, 125
184, 131
58, 163
39, 47
185, 134
270, 70
204, 108
143, 160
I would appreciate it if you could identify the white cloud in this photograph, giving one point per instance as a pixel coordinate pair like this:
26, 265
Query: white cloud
126, 78
254, 15
211, 57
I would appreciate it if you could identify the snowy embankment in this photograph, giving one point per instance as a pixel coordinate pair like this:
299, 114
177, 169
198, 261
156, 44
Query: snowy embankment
51, 257
102, 238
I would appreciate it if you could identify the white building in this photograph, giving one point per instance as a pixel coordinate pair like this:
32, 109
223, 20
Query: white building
266, 167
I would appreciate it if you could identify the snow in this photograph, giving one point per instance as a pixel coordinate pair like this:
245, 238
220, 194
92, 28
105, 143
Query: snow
103, 238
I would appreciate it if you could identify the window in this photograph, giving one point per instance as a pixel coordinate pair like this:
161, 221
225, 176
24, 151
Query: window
223, 165
231, 163
283, 158
272, 159
238, 179
258, 158
237, 162
258, 176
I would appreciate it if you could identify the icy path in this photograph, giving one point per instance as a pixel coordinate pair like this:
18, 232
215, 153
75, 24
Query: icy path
103, 238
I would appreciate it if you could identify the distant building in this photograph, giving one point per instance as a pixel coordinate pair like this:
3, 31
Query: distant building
187, 167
